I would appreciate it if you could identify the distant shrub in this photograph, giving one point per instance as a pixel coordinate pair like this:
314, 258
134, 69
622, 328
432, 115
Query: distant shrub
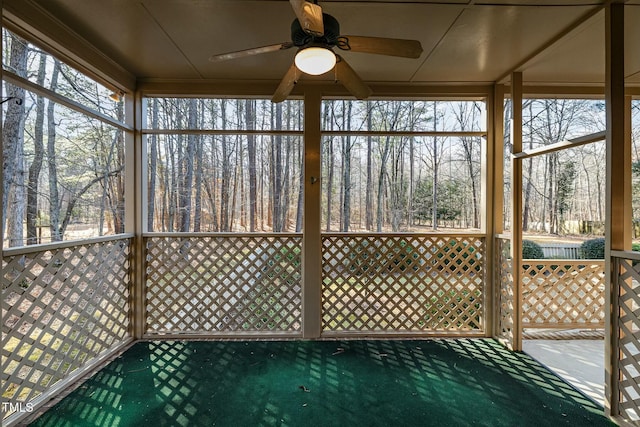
461, 252
531, 250
408, 256
593, 249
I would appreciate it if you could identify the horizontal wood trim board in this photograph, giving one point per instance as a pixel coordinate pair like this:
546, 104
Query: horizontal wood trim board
562, 145
59, 99
23, 250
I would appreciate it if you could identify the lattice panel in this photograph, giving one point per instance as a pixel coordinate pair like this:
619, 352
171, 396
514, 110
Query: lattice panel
563, 293
403, 283
629, 344
224, 283
60, 309
506, 291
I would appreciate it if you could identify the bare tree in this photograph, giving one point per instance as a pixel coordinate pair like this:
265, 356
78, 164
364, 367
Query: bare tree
52, 164
13, 146
369, 185
390, 117
153, 165
347, 146
276, 173
466, 115
38, 155
225, 184
329, 156
250, 118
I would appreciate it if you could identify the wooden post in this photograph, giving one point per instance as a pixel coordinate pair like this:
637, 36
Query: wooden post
618, 192
312, 242
494, 205
516, 208
136, 196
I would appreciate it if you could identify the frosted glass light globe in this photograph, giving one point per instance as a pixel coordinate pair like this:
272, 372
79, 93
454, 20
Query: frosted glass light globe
315, 60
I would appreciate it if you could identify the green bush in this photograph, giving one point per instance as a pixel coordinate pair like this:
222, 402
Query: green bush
593, 249
453, 249
531, 250
407, 256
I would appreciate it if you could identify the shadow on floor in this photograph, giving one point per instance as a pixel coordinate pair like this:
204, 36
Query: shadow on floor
440, 382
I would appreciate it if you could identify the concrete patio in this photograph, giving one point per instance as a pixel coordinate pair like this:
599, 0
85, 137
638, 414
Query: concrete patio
580, 362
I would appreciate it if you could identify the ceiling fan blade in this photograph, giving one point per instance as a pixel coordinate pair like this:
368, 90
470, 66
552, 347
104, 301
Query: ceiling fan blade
350, 80
250, 52
286, 85
381, 46
310, 17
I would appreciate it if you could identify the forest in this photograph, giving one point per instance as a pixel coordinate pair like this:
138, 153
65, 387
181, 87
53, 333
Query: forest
235, 165
378, 172
63, 172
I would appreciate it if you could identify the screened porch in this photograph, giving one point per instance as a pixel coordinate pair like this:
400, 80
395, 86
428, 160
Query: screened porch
149, 214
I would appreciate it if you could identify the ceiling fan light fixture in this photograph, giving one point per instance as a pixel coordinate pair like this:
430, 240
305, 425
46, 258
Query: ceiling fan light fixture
315, 60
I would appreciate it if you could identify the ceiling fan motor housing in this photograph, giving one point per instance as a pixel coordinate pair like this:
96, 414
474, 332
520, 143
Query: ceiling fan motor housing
331, 32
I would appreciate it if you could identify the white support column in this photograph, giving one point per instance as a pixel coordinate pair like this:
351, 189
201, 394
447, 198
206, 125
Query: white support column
516, 208
618, 191
312, 242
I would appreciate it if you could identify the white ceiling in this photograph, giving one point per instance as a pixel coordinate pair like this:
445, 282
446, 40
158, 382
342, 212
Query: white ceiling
463, 41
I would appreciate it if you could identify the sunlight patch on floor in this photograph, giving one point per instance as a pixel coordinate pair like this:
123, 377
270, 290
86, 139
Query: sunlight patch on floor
579, 362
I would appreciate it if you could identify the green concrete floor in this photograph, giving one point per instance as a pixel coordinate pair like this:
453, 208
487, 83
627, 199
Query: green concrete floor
456, 382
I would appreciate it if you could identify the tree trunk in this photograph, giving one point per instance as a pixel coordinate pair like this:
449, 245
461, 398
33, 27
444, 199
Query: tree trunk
225, 184
286, 178
381, 179
54, 198
411, 182
197, 214
174, 158
38, 155
250, 117
300, 204
73, 199
13, 147
188, 161
369, 186
346, 171
383, 174
330, 169
234, 183
526, 202
435, 164
153, 166
276, 173
113, 187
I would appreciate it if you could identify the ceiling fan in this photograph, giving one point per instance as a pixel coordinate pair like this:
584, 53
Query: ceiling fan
315, 34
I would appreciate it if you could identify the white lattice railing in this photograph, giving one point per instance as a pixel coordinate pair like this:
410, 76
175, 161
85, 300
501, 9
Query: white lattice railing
403, 283
563, 293
626, 330
506, 296
64, 306
223, 284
